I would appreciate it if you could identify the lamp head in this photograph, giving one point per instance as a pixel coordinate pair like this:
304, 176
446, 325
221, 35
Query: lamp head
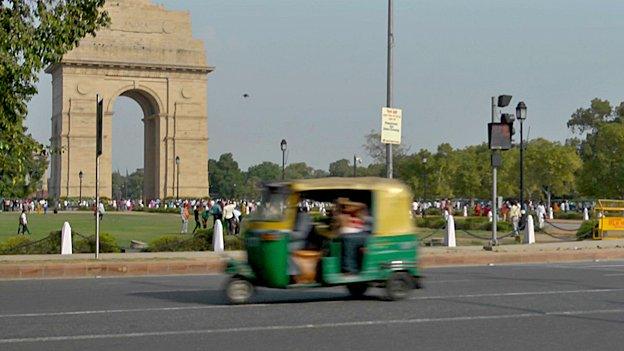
283, 145
80, 174
521, 111
177, 160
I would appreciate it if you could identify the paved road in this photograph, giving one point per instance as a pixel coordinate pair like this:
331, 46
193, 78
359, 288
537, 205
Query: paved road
531, 307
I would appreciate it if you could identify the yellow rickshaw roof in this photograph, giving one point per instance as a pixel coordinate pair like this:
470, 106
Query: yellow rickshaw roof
359, 183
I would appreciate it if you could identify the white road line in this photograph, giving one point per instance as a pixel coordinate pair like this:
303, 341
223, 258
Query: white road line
427, 282
304, 326
613, 274
550, 292
205, 307
129, 310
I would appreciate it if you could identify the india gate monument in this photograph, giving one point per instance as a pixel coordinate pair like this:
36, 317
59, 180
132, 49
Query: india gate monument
148, 54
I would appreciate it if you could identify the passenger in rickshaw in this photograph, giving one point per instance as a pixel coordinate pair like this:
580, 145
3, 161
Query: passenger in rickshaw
298, 237
350, 219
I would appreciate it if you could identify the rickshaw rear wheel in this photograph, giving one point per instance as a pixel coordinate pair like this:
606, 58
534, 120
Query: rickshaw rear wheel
357, 289
238, 290
398, 286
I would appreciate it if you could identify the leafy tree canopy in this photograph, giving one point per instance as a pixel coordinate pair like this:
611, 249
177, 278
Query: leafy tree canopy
34, 34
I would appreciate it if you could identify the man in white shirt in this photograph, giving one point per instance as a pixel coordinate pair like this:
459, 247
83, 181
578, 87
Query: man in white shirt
541, 214
515, 213
23, 224
228, 215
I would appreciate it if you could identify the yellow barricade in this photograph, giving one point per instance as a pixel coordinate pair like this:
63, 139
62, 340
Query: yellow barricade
611, 217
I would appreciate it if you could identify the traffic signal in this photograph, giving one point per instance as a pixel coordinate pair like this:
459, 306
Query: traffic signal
499, 136
509, 118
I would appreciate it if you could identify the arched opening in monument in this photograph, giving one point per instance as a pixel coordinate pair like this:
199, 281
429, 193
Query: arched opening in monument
133, 153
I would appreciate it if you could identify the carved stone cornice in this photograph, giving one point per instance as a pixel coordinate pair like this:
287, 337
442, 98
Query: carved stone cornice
130, 65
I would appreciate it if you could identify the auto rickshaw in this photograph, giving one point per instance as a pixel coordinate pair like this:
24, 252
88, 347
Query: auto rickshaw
290, 247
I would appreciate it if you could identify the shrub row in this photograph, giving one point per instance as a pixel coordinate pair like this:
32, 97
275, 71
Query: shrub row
156, 210
585, 230
470, 223
22, 244
568, 215
200, 241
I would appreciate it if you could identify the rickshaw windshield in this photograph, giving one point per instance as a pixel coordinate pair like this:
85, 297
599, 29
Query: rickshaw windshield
273, 204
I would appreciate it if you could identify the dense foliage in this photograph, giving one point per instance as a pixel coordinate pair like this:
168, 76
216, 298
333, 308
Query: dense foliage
33, 35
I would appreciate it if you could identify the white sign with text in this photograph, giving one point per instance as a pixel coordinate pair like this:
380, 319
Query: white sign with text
391, 125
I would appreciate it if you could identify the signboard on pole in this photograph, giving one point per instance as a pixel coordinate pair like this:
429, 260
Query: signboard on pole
99, 113
391, 125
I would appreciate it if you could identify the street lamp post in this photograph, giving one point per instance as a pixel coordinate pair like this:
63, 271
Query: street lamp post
80, 175
389, 166
424, 162
283, 146
521, 114
177, 162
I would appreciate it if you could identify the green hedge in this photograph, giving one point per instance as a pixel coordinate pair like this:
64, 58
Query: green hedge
200, 241
568, 215
585, 230
469, 223
156, 210
22, 244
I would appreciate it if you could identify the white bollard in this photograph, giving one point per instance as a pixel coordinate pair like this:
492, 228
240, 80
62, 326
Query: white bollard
465, 211
529, 231
66, 239
449, 240
217, 237
490, 215
585, 214
550, 213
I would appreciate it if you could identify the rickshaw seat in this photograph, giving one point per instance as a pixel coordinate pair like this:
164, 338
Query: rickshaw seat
307, 261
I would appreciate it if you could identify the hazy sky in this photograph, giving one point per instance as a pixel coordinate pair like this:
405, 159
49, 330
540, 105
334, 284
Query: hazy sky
316, 72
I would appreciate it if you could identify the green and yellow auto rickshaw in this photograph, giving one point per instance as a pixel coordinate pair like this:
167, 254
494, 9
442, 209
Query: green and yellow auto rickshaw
292, 240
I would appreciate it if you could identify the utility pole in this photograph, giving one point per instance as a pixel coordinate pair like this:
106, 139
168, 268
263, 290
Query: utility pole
389, 167
494, 173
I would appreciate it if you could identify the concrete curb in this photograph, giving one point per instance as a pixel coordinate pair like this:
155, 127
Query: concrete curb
118, 267
438, 260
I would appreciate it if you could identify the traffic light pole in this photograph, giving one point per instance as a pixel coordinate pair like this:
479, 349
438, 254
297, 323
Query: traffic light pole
494, 209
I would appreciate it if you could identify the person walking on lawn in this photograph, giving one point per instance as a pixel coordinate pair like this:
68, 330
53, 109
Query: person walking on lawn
23, 224
184, 214
196, 213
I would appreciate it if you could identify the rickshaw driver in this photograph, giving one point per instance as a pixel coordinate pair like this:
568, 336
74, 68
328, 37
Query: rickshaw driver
351, 229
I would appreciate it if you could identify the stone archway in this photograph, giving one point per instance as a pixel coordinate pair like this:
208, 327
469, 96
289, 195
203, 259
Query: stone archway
149, 55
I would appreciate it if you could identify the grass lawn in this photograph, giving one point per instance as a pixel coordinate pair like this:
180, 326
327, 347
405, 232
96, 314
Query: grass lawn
124, 226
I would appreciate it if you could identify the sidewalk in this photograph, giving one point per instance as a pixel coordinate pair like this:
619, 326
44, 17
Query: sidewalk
207, 262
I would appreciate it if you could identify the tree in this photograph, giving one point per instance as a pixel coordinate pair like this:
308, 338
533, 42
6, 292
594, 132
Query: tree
602, 172
298, 170
340, 168
377, 150
265, 171
34, 34
226, 178
588, 119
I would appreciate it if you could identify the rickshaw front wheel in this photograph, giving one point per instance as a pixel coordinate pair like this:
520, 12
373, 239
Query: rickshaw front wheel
357, 289
398, 286
238, 290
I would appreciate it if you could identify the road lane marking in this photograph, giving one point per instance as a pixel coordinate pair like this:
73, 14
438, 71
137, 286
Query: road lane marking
204, 307
448, 281
129, 310
549, 292
305, 326
613, 274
